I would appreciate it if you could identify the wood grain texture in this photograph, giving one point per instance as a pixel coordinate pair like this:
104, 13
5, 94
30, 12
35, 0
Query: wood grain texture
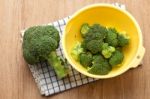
16, 81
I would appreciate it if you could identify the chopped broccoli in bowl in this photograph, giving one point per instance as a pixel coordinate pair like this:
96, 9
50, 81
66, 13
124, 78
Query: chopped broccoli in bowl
101, 48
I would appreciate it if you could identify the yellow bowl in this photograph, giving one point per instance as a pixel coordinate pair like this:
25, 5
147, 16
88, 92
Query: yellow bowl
111, 16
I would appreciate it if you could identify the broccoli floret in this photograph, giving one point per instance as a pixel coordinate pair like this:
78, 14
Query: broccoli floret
76, 51
40, 43
105, 46
86, 59
116, 58
98, 58
113, 30
98, 28
84, 29
102, 68
94, 38
123, 40
100, 65
107, 50
96, 32
111, 37
114, 43
106, 53
90, 37
94, 46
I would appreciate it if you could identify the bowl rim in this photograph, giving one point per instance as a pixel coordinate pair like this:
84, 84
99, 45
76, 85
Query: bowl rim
116, 8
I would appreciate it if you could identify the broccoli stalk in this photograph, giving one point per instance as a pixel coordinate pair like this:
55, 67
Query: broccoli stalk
57, 63
40, 43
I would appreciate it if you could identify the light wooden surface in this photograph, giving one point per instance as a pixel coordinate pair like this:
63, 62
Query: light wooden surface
16, 81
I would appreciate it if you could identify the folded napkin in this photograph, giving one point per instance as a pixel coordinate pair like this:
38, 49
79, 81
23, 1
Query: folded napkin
45, 77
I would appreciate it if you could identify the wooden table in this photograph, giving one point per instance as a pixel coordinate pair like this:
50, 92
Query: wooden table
16, 81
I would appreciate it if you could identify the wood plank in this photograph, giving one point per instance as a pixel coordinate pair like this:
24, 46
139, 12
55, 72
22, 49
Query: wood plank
16, 79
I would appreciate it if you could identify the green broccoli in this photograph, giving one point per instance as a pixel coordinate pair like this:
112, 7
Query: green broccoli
116, 58
100, 65
97, 37
96, 32
84, 29
40, 43
101, 48
105, 46
94, 46
113, 30
98, 28
102, 68
86, 59
98, 58
107, 50
76, 51
111, 37
123, 40
94, 38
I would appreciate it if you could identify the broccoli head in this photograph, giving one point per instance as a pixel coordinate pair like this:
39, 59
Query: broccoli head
116, 58
98, 58
86, 59
40, 43
107, 51
104, 46
94, 46
102, 68
96, 32
90, 38
76, 51
97, 28
123, 40
94, 38
84, 29
100, 65
111, 37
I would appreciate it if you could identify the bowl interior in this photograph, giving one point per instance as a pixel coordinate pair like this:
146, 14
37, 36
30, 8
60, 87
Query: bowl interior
107, 16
